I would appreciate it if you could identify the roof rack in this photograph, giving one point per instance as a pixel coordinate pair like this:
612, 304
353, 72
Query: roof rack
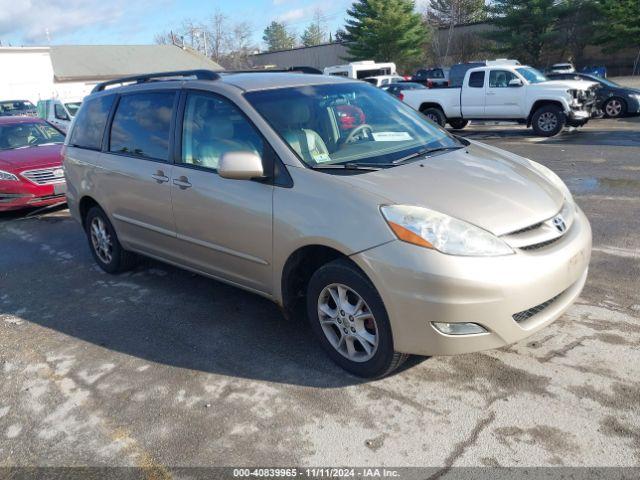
198, 74
301, 69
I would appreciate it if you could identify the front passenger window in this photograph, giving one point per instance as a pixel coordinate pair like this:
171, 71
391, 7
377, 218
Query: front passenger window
213, 126
500, 78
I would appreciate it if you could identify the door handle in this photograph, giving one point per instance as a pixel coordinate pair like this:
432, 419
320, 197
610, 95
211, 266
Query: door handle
490, 93
160, 177
182, 182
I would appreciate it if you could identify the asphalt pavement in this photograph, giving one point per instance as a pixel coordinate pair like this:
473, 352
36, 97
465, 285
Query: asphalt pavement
161, 368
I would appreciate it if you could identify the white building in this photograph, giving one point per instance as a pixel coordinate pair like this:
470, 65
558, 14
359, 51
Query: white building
69, 72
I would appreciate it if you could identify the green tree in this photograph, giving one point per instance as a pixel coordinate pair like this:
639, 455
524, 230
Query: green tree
443, 13
523, 27
315, 33
576, 27
277, 37
620, 26
385, 30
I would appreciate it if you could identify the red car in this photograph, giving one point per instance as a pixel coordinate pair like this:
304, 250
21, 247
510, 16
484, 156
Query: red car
31, 173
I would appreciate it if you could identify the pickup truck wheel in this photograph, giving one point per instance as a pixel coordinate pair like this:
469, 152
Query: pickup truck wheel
435, 115
614, 108
104, 244
548, 121
349, 319
458, 123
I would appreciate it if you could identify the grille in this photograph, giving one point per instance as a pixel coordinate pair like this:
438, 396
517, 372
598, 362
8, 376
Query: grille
527, 229
538, 246
45, 176
527, 314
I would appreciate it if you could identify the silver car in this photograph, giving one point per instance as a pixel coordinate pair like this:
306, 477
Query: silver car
334, 200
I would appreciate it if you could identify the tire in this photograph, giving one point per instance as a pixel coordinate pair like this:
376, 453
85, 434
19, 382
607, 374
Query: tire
458, 123
614, 108
435, 115
343, 336
548, 121
107, 252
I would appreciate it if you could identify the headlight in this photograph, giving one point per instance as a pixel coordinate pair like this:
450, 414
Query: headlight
554, 179
8, 176
430, 229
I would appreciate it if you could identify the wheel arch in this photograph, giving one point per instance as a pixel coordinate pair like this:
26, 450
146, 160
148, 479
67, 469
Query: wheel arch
542, 103
425, 105
86, 203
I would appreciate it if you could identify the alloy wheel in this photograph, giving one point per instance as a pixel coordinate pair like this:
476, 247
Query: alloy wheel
347, 322
613, 108
547, 121
101, 240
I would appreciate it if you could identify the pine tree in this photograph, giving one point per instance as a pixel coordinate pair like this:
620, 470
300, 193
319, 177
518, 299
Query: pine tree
444, 13
385, 30
277, 37
315, 33
524, 27
620, 26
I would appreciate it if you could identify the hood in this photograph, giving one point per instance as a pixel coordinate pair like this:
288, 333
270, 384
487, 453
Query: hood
482, 185
567, 84
30, 158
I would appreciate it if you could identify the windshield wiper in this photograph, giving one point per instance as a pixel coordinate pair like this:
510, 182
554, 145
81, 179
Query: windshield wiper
352, 166
425, 152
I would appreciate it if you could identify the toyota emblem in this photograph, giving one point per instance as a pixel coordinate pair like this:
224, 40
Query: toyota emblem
560, 224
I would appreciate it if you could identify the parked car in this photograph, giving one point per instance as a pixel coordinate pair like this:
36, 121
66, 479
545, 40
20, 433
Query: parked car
362, 69
57, 112
31, 173
561, 68
432, 77
614, 100
394, 238
597, 70
382, 80
396, 89
508, 92
459, 70
12, 108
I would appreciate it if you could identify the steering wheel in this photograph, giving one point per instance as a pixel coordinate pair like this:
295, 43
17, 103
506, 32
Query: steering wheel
356, 131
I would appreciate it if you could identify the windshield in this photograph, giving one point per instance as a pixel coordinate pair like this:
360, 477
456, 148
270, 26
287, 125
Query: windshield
73, 107
24, 135
347, 123
532, 75
15, 106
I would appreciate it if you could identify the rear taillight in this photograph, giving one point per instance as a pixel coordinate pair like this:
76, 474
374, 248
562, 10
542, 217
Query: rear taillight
401, 96
429, 84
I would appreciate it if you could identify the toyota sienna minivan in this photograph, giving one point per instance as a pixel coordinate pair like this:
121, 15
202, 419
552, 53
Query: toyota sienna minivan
392, 236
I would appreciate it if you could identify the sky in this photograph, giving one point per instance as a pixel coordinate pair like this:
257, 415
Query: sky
63, 22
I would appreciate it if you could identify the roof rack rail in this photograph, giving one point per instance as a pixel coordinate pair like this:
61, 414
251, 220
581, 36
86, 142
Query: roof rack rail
198, 74
301, 69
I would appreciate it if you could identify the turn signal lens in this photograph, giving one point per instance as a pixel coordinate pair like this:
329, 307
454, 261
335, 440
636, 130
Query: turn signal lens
408, 236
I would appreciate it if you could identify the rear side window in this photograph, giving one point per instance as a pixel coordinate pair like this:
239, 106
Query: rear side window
476, 80
90, 122
141, 125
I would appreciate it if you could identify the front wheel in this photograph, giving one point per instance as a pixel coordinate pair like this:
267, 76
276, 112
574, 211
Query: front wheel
548, 121
350, 321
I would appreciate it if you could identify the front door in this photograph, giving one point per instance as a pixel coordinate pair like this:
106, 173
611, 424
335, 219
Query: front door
224, 226
503, 101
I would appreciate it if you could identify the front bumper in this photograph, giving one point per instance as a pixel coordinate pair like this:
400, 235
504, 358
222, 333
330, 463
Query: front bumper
19, 195
420, 286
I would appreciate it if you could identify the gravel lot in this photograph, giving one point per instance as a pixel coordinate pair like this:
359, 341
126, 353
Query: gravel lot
161, 368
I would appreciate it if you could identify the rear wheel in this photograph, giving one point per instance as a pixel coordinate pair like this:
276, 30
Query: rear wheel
104, 244
458, 123
548, 121
435, 115
615, 108
349, 319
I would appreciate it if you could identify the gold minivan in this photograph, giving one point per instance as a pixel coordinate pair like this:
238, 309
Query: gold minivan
333, 199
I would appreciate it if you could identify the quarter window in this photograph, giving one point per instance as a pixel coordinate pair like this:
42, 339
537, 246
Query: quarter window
476, 79
90, 122
500, 78
213, 126
141, 125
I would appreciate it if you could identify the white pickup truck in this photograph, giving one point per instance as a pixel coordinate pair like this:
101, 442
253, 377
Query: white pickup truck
508, 92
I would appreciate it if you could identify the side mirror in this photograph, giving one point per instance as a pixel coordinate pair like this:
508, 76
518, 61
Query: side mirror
240, 166
515, 82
